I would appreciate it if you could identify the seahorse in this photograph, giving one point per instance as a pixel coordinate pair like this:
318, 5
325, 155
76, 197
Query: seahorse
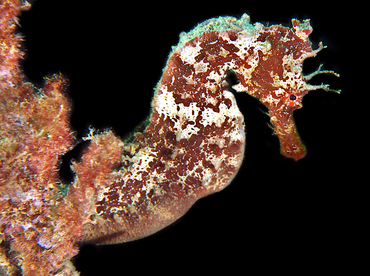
193, 142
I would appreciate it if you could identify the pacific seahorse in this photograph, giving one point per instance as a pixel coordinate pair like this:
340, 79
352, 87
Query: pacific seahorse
193, 143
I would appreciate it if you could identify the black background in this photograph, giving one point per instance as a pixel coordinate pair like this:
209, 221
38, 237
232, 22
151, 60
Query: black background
278, 215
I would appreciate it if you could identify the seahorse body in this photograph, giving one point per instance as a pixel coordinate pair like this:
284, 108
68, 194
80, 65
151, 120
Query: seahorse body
194, 142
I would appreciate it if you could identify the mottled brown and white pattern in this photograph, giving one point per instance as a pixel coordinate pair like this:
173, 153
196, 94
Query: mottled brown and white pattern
194, 142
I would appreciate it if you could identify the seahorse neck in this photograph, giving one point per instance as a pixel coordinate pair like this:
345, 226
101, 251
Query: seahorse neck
192, 87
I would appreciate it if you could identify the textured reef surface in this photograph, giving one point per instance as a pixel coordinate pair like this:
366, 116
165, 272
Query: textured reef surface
191, 146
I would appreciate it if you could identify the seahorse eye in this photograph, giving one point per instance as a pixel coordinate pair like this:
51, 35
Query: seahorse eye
292, 97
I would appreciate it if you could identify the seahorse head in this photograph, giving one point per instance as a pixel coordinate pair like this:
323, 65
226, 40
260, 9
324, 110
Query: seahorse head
271, 71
